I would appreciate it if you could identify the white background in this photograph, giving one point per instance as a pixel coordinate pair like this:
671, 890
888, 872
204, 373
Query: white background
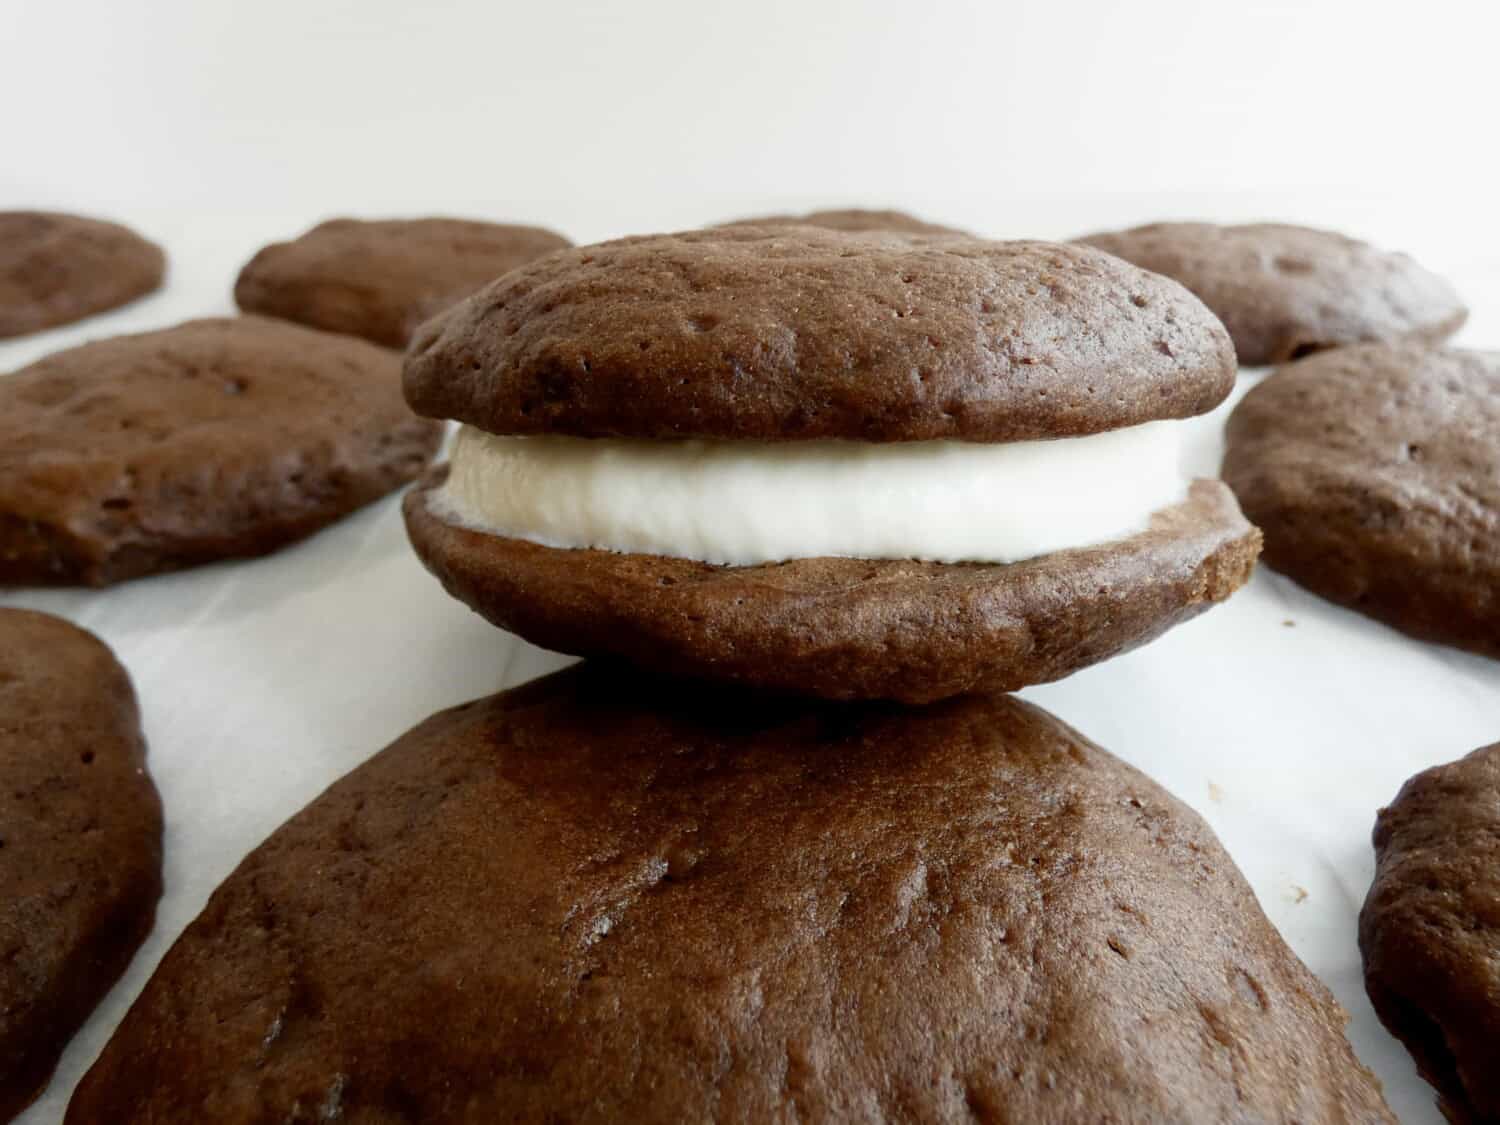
604, 117
216, 127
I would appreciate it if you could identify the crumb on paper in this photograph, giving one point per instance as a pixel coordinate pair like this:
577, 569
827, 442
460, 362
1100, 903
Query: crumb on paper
1215, 794
1299, 894
1289, 623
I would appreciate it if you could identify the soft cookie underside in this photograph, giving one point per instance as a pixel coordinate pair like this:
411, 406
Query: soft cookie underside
852, 628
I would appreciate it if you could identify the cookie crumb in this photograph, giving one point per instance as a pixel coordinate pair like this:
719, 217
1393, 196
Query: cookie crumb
1299, 894
1215, 794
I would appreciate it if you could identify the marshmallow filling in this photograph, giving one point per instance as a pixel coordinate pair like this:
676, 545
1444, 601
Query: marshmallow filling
740, 503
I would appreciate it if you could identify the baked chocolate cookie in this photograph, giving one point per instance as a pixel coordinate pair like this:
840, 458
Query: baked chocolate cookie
55, 269
1430, 929
605, 898
1287, 291
1375, 475
214, 439
852, 219
80, 841
381, 279
852, 385
795, 333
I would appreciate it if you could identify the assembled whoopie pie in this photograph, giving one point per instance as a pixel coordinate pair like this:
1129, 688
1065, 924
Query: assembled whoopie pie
602, 898
849, 465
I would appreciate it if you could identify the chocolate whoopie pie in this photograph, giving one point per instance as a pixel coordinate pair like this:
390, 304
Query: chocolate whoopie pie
214, 439
601, 897
825, 462
55, 269
1430, 930
380, 279
1287, 291
1374, 472
854, 220
80, 841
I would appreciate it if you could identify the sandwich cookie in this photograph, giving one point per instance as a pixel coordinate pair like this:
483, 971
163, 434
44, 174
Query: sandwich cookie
1430, 929
854, 220
80, 841
846, 465
214, 439
1287, 291
606, 898
1375, 474
380, 279
55, 269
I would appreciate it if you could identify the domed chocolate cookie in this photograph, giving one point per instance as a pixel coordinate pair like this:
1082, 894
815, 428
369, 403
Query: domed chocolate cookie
1286, 291
1430, 929
852, 219
604, 898
827, 462
55, 269
795, 333
214, 439
1375, 475
380, 279
80, 841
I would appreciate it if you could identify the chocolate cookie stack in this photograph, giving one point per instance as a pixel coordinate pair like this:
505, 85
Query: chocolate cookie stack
816, 498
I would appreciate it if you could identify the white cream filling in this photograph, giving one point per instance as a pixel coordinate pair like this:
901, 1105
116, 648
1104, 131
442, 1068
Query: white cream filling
745, 502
